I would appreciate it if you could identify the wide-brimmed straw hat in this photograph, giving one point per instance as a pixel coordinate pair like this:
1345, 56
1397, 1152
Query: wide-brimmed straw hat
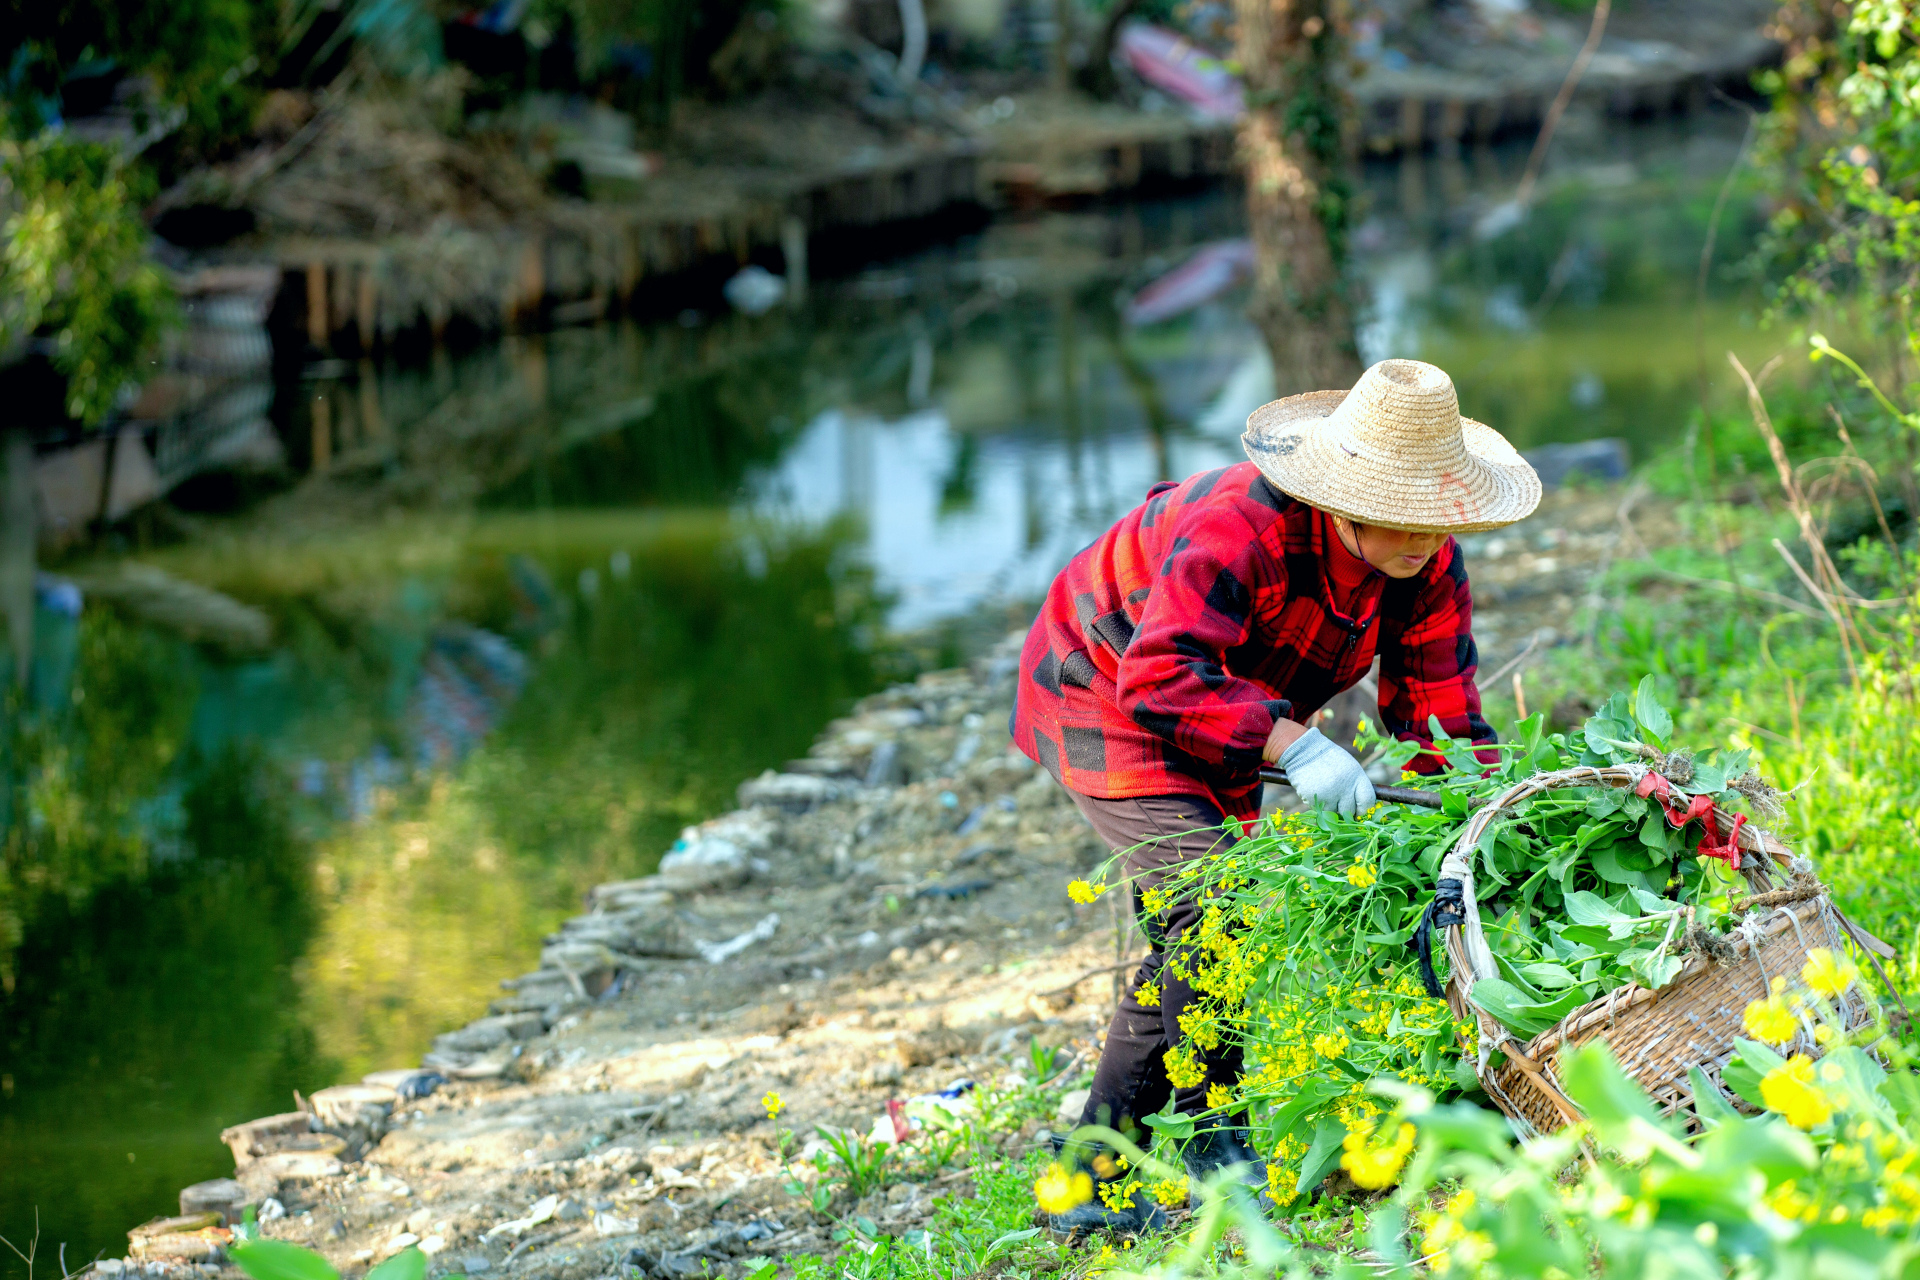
1395, 452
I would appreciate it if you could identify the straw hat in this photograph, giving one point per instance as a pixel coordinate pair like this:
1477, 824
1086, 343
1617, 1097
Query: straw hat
1395, 452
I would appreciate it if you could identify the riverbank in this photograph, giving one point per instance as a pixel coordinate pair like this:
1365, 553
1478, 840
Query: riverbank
877, 922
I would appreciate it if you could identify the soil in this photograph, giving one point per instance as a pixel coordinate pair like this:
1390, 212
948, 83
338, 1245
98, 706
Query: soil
898, 916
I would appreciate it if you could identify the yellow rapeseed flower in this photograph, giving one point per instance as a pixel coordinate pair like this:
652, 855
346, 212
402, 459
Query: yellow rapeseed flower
774, 1105
1330, 1046
1218, 1097
1059, 1191
1790, 1090
1081, 891
1770, 1021
1828, 974
1182, 1070
1360, 875
1148, 996
1170, 1192
1376, 1167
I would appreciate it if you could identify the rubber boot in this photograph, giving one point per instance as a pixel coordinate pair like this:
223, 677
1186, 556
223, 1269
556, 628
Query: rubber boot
1214, 1149
1138, 1215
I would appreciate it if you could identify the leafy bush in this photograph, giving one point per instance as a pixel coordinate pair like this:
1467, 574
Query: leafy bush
73, 268
1303, 950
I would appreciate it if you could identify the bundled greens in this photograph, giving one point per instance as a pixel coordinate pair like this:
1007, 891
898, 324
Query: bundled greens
1303, 954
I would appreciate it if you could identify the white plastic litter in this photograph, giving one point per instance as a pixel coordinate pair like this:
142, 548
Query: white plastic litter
716, 952
755, 291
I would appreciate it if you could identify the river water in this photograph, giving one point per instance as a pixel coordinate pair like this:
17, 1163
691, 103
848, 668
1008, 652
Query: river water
554, 599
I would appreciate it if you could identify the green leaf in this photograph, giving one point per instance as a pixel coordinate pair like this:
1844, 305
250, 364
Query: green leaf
1609, 1096
1398, 938
1605, 801
1654, 719
1608, 730
1708, 779
1178, 1127
1321, 1156
1652, 903
1599, 937
1000, 1244
278, 1260
1522, 1016
1585, 907
1654, 971
408, 1264
1547, 975
1607, 865
1708, 1102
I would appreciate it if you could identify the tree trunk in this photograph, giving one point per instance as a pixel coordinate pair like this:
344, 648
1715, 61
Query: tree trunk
1097, 78
17, 538
1291, 147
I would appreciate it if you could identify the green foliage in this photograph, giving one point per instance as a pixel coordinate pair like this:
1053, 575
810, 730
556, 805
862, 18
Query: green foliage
199, 55
279, 1260
73, 267
1847, 126
853, 1161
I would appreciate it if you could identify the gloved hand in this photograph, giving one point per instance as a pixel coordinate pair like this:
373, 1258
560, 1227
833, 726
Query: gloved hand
1323, 774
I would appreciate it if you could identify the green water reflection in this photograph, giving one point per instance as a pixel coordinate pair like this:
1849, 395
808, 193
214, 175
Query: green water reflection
202, 938
536, 608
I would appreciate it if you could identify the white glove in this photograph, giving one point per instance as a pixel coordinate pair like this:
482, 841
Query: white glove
1323, 774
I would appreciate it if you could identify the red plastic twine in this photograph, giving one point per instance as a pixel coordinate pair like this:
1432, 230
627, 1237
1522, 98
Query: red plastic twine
1701, 807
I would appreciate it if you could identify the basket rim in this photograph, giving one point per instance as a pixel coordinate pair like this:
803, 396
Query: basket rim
1762, 872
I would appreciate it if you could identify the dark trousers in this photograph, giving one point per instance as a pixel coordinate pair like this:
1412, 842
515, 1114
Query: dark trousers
1131, 1080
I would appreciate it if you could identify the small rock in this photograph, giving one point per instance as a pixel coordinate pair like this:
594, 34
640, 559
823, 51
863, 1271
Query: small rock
474, 1263
220, 1195
790, 792
419, 1220
569, 1210
301, 1165
490, 1033
1072, 1103
407, 1083
399, 1242
433, 1244
881, 1073
256, 1138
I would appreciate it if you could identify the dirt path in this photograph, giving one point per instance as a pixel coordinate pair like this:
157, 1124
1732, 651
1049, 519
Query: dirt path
844, 939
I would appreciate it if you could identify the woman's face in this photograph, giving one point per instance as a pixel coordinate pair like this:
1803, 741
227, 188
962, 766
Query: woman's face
1394, 552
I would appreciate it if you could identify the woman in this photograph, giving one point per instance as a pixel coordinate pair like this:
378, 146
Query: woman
1198, 637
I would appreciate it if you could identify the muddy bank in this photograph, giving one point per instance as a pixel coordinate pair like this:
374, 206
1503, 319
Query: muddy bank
877, 923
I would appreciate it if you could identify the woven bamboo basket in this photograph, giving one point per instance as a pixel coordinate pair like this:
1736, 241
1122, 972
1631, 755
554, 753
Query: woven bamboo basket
1657, 1036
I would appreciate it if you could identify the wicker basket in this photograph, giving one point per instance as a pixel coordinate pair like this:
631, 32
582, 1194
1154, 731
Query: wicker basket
1657, 1036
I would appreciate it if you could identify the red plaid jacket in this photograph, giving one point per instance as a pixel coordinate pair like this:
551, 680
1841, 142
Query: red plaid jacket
1168, 648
